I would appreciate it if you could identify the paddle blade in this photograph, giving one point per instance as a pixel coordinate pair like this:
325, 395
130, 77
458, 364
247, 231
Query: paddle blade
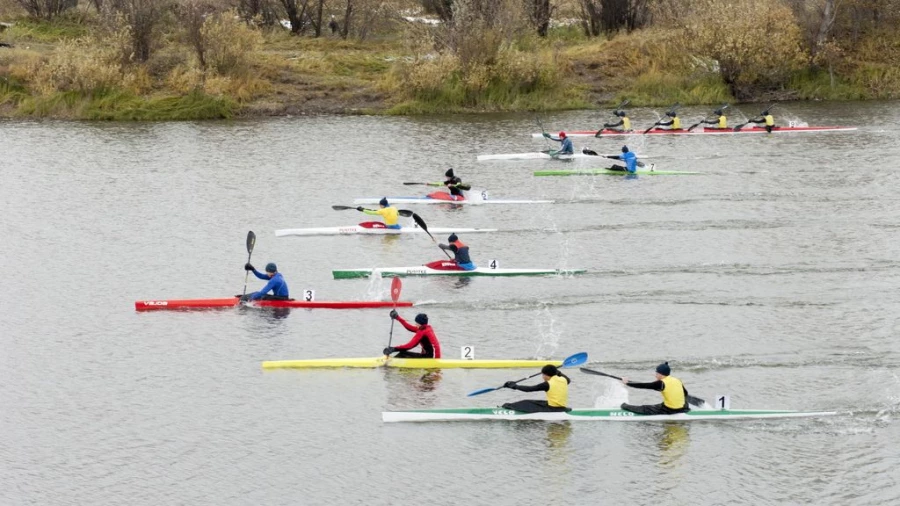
421, 223
251, 241
576, 359
409, 183
695, 401
406, 213
396, 286
482, 391
342, 208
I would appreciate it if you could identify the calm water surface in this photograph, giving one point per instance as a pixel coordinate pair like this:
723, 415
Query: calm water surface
772, 277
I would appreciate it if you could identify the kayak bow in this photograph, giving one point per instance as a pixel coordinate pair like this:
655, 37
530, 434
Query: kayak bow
406, 363
611, 415
184, 304
598, 172
544, 156
430, 200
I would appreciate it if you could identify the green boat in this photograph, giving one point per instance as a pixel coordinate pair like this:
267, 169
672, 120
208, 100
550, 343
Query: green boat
610, 415
598, 172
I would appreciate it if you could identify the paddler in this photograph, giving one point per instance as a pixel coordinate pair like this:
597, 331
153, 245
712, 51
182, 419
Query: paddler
276, 284
460, 252
672, 124
765, 118
673, 393
455, 185
423, 337
628, 157
720, 121
623, 122
566, 148
387, 212
555, 383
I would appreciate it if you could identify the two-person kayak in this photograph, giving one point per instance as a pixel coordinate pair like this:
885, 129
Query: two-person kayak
187, 304
595, 415
706, 131
405, 363
544, 155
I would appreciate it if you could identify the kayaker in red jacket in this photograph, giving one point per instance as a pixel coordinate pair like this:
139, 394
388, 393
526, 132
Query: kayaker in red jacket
424, 337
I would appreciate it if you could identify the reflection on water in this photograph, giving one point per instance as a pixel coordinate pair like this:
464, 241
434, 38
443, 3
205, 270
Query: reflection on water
558, 439
673, 443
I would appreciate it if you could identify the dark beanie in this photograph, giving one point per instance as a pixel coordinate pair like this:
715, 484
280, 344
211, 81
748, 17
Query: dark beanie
550, 370
449, 173
422, 319
664, 369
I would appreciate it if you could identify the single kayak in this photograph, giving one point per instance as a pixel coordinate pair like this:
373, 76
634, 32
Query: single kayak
362, 229
611, 415
406, 363
429, 270
543, 155
707, 131
474, 198
596, 172
182, 304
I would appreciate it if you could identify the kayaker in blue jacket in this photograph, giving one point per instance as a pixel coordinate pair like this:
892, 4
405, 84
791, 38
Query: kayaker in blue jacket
628, 157
276, 284
565, 149
460, 253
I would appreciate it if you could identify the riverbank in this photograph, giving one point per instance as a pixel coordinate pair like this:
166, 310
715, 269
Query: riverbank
64, 69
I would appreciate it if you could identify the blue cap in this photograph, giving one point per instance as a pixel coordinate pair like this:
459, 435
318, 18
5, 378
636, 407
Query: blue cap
664, 369
270, 267
383, 202
422, 319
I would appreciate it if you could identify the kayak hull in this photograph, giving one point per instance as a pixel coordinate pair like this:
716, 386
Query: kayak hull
429, 200
406, 363
707, 131
188, 304
599, 172
357, 230
540, 155
422, 270
608, 415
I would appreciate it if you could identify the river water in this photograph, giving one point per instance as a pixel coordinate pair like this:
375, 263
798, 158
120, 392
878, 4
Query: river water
771, 277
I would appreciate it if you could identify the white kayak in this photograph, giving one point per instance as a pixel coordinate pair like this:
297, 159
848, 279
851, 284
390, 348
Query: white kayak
543, 155
608, 415
424, 270
477, 197
364, 230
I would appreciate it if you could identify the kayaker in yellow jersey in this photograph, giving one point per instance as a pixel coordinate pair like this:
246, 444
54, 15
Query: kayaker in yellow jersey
387, 212
720, 122
623, 122
766, 119
555, 383
673, 393
672, 124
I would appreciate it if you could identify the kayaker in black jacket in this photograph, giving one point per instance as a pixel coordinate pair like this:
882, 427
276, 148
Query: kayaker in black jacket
555, 383
673, 392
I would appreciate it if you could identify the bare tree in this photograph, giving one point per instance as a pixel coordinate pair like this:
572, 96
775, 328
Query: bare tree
442, 8
47, 9
142, 17
540, 11
296, 14
348, 16
590, 17
260, 11
317, 24
193, 14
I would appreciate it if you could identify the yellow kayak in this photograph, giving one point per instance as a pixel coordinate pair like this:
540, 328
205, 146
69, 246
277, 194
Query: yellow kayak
407, 363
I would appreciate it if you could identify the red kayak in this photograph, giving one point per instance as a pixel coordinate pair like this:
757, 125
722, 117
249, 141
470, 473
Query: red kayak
182, 304
707, 131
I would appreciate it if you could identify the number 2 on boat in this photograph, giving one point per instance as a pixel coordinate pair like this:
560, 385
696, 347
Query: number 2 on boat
467, 353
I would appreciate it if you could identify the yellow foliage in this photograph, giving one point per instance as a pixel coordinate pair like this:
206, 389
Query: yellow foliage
229, 42
84, 65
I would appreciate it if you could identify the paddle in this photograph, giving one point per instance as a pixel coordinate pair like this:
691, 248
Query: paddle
406, 213
617, 109
742, 125
671, 109
421, 223
576, 359
251, 242
424, 184
694, 401
396, 286
695, 125
541, 126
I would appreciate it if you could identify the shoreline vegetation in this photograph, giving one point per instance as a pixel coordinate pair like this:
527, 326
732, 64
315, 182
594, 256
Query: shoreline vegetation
209, 59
